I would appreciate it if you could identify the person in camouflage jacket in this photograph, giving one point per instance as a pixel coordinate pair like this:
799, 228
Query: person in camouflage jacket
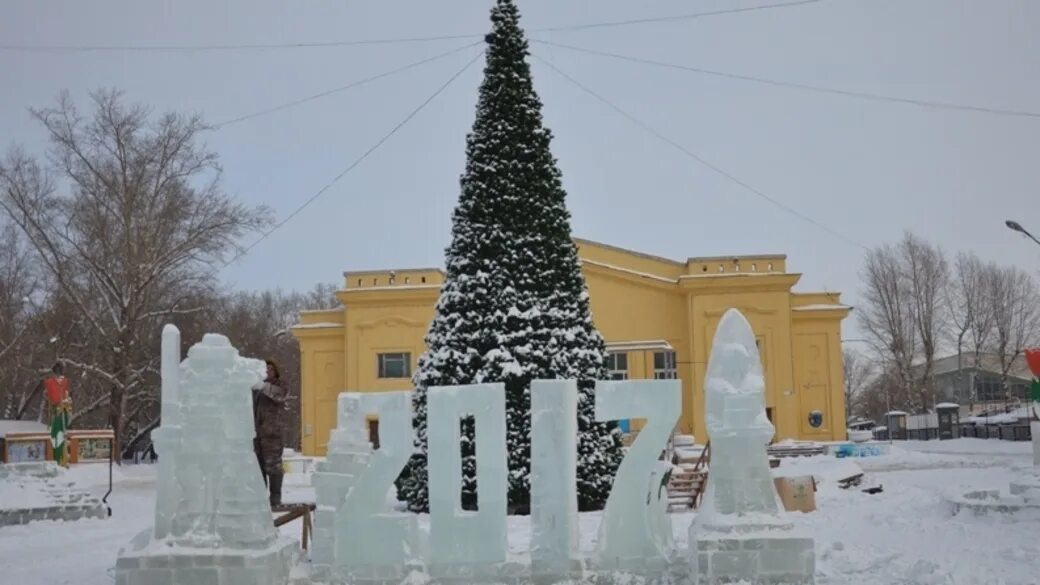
270, 411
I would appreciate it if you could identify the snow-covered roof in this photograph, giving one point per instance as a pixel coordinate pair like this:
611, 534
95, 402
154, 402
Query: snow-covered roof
318, 326
822, 307
896, 413
639, 345
21, 426
947, 405
390, 287
630, 271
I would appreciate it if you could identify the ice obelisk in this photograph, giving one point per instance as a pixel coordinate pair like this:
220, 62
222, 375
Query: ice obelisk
741, 531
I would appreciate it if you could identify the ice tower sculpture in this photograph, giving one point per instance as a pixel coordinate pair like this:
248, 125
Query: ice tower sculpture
741, 532
348, 456
213, 523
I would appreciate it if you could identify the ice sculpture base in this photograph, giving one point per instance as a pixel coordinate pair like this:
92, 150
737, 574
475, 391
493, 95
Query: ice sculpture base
513, 572
761, 557
148, 562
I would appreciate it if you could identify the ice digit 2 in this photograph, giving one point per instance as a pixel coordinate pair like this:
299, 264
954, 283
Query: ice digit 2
456, 536
366, 533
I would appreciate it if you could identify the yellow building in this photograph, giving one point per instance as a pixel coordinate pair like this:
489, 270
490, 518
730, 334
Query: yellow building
658, 317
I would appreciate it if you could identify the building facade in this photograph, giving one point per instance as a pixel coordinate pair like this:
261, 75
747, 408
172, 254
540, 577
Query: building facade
977, 383
657, 315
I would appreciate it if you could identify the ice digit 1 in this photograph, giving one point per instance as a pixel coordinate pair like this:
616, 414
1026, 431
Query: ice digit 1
167, 437
366, 534
460, 537
630, 534
554, 495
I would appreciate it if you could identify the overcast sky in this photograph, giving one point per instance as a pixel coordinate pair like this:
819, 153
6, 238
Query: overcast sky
865, 169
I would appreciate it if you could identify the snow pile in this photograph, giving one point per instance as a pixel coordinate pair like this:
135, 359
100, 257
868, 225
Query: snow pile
41, 491
905, 535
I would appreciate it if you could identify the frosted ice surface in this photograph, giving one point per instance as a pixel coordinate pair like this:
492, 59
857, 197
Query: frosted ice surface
367, 534
740, 484
212, 511
633, 529
459, 537
554, 494
221, 497
346, 459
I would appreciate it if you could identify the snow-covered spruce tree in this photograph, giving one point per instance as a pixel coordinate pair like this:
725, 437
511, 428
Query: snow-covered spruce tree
514, 306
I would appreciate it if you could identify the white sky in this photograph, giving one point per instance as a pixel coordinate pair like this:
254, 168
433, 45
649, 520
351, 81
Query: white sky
866, 169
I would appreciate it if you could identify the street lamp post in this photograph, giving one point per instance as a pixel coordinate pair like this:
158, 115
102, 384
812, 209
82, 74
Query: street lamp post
1015, 226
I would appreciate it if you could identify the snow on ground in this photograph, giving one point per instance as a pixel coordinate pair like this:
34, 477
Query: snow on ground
904, 535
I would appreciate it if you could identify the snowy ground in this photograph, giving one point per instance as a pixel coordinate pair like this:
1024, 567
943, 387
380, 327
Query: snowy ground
904, 535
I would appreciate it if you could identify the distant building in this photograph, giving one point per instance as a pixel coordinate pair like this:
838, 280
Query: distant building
657, 315
979, 387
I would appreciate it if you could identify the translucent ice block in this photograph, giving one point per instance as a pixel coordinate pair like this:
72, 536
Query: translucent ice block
554, 495
740, 487
631, 530
459, 537
366, 532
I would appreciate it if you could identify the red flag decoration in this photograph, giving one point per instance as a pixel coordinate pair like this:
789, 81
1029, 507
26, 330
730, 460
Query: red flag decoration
1033, 360
57, 389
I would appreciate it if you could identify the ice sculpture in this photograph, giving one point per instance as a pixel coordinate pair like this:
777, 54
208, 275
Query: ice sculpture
741, 531
554, 494
635, 535
463, 541
347, 458
370, 538
213, 523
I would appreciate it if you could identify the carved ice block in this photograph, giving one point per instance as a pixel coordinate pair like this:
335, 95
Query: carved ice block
630, 531
167, 437
740, 483
366, 532
554, 493
459, 537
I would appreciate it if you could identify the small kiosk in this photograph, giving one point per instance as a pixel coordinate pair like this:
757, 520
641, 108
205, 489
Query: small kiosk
949, 420
896, 423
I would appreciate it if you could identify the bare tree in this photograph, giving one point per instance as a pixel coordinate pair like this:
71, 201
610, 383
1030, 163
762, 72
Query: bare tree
904, 315
927, 273
970, 315
858, 371
128, 219
1015, 309
887, 318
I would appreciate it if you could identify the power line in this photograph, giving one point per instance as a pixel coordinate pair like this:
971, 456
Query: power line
732, 178
384, 41
796, 85
351, 85
359, 160
677, 17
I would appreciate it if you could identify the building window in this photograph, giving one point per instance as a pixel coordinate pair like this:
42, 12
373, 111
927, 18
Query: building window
395, 365
617, 366
664, 365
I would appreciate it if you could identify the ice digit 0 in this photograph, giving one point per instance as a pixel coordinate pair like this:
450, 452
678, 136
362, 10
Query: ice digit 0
460, 537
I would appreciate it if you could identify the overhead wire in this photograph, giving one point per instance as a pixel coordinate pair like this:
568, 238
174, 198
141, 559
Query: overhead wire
342, 88
697, 158
358, 160
795, 85
391, 40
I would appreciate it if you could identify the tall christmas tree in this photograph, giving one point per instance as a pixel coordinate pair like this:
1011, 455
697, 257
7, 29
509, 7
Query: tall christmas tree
514, 306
